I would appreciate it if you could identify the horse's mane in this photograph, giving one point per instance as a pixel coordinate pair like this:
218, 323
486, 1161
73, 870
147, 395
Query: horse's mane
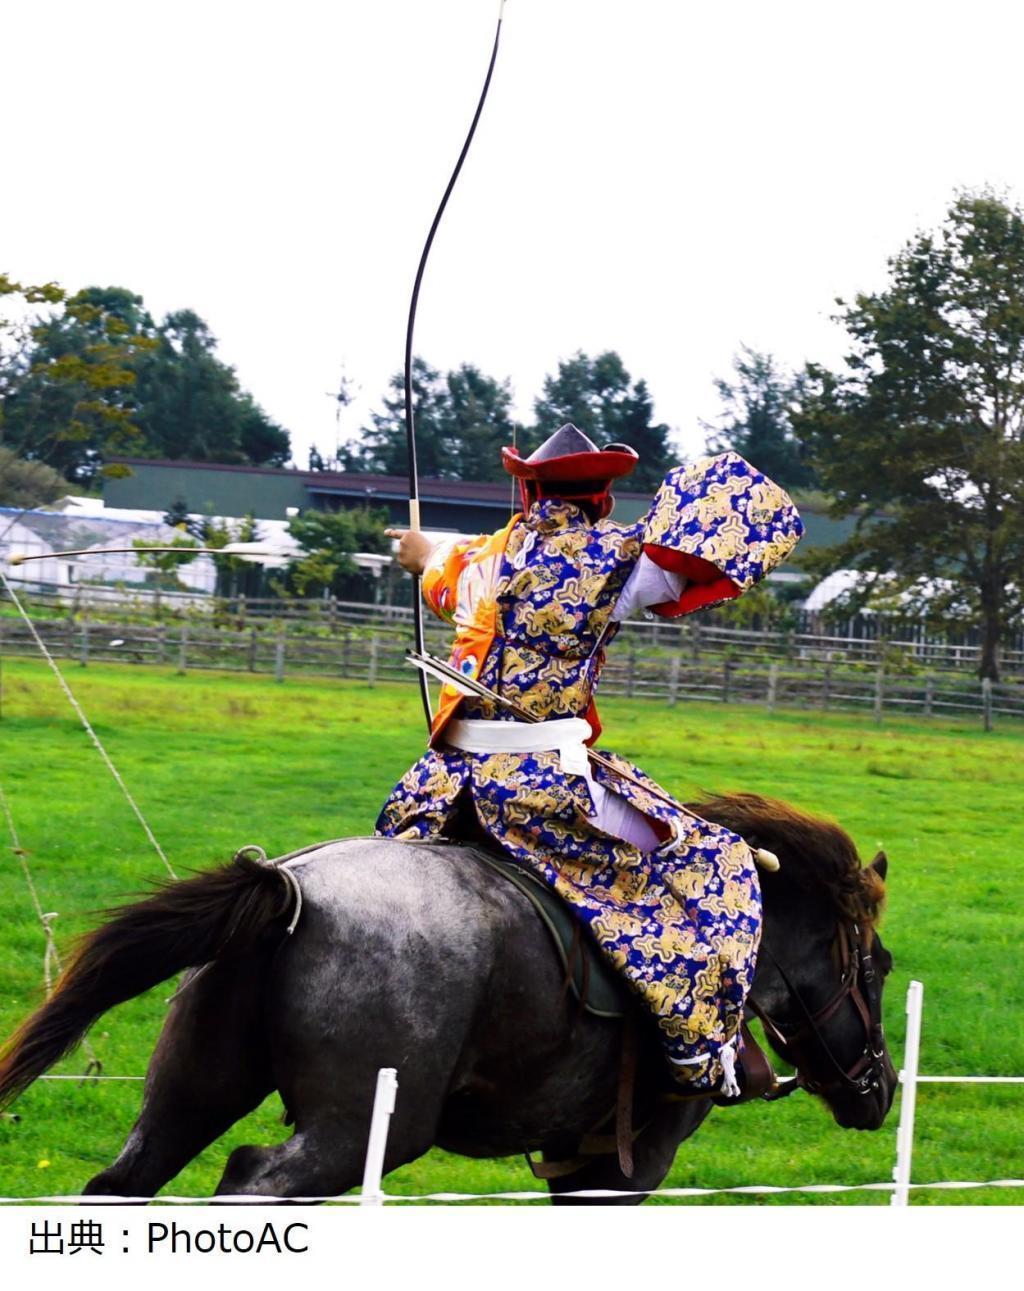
815, 854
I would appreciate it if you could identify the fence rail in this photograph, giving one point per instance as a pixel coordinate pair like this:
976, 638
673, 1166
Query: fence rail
874, 643
642, 665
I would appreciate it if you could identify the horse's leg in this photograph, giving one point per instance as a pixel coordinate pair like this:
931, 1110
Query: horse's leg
334, 1019
326, 1155
653, 1153
210, 1067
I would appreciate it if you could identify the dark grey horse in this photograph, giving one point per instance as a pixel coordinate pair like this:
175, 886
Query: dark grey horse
415, 956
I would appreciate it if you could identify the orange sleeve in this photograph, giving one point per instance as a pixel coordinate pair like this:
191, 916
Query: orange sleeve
440, 584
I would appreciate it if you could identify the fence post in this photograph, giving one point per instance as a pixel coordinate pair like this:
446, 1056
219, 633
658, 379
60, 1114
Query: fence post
826, 690
252, 649
773, 684
161, 643
83, 654
726, 670
371, 668
673, 679
986, 702
383, 1106
929, 695
879, 692
183, 648
279, 657
908, 1097
344, 652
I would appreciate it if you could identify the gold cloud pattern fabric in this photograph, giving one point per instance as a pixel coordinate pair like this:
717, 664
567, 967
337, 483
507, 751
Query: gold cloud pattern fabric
531, 607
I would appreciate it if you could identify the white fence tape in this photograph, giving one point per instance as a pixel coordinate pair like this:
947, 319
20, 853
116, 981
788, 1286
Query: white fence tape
348, 1199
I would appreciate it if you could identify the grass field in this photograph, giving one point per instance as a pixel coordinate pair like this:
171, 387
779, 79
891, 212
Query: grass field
221, 760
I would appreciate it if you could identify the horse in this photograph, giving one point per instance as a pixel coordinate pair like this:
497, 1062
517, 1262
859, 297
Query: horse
414, 955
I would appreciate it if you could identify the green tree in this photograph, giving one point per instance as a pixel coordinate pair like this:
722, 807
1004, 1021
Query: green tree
20, 304
98, 378
463, 419
756, 420
478, 423
921, 435
599, 397
236, 576
330, 539
190, 405
67, 394
27, 484
380, 448
166, 563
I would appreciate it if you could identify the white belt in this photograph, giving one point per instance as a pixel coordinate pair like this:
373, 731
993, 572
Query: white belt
564, 736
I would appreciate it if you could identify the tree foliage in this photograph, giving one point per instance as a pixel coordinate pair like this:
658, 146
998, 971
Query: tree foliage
599, 397
756, 419
27, 484
330, 539
67, 388
921, 435
463, 419
95, 377
190, 404
166, 563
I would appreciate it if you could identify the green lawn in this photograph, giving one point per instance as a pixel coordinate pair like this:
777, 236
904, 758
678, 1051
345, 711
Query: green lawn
221, 760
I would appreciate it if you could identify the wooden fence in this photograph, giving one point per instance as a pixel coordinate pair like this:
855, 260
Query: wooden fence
640, 664
701, 638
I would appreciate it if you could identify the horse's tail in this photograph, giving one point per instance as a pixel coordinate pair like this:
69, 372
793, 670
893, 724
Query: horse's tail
224, 913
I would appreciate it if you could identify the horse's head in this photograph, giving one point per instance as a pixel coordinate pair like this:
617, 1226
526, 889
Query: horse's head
822, 965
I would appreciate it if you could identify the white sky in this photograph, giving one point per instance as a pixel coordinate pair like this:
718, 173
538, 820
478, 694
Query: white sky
661, 177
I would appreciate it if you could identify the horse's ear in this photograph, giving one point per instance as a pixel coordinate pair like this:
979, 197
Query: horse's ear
880, 865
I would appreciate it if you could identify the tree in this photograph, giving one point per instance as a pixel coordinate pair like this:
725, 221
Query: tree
98, 378
27, 484
330, 539
19, 315
166, 563
756, 420
463, 419
478, 423
236, 576
190, 405
920, 436
597, 396
67, 391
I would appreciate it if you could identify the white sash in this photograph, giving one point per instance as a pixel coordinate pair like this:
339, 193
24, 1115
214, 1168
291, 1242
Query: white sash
564, 736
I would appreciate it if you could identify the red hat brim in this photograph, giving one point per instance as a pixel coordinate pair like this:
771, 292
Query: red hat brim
605, 464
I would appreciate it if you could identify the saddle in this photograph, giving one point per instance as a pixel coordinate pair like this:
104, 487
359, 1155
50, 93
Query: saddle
592, 980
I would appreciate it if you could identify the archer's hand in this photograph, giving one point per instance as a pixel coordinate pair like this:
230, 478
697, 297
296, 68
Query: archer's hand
413, 549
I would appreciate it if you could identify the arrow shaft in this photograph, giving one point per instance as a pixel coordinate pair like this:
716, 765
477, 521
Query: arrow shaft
132, 551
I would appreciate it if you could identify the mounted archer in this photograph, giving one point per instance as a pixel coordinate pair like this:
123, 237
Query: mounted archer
671, 899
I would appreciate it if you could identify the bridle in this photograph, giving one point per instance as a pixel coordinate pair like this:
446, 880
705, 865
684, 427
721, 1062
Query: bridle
860, 983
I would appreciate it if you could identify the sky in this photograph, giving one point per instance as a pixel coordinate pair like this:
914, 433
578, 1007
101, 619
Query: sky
665, 178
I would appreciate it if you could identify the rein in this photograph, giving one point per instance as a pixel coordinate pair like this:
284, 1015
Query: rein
860, 984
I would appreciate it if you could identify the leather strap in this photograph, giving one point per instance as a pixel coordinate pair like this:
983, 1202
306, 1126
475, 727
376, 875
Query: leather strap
597, 1145
624, 1103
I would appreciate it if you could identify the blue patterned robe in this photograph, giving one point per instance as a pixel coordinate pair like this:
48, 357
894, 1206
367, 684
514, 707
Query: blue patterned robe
681, 922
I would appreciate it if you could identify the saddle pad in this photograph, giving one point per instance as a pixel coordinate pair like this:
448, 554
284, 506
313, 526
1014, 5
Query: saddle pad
594, 982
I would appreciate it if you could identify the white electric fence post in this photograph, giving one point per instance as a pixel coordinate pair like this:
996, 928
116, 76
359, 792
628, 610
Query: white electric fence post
383, 1106
908, 1097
